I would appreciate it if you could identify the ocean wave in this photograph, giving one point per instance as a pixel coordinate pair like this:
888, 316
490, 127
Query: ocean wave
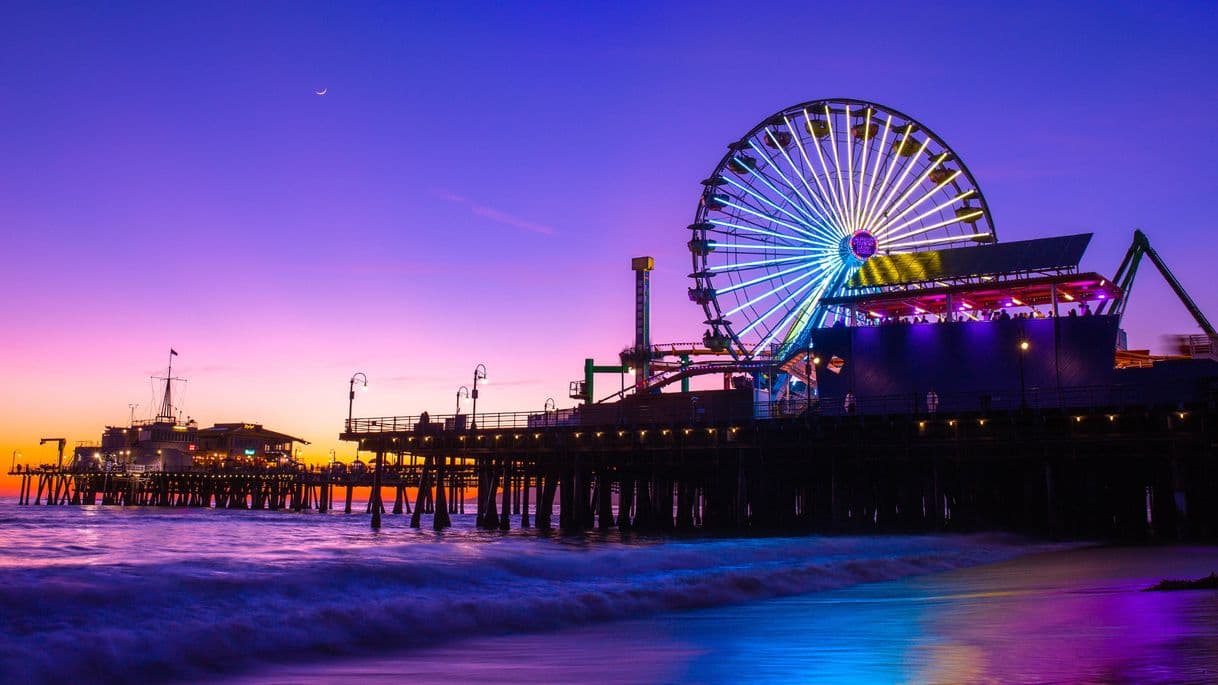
191, 618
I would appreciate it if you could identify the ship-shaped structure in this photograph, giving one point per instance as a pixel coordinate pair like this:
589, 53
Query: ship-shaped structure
166, 442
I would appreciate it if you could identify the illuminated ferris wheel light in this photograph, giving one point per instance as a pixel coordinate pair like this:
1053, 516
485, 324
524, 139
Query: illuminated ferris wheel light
807, 197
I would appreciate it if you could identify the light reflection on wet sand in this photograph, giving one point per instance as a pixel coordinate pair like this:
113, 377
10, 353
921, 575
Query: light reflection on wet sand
1062, 617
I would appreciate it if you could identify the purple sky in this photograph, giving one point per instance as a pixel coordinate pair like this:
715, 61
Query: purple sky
476, 178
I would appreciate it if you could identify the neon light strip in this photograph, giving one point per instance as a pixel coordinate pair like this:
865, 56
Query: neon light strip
748, 265
771, 310
853, 206
728, 224
761, 177
914, 186
794, 312
837, 166
768, 201
768, 293
767, 277
765, 246
804, 218
826, 195
885, 203
808, 306
892, 163
786, 180
763, 215
832, 194
875, 171
935, 241
818, 198
866, 143
932, 227
817, 206
937, 208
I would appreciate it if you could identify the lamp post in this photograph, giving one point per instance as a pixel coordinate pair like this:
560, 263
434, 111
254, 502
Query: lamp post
1023, 387
13, 467
461, 391
479, 375
549, 406
358, 375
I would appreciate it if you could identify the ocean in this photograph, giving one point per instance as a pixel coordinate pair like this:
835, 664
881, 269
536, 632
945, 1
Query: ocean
112, 595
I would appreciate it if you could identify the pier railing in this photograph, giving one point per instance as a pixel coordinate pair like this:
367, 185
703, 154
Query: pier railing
916, 403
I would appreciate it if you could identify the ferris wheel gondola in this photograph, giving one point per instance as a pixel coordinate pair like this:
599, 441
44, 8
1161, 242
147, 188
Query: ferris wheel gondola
807, 197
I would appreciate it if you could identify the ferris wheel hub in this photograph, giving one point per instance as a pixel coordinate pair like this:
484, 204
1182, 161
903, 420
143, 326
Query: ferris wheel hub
862, 245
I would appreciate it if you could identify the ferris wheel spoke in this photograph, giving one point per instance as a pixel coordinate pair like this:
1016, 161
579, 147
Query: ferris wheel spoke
767, 217
892, 226
778, 305
969, 237
885, 203
816, 230
803, 306
947, 222
849, 144
837, 167
893, 155
752, 229
875, 170
774, 165
785, 284
738, 247
745, 266
755, 173
866, 145
912, 187
763, 279
809, 305
831, 194
762, 198
822, 198
824, 209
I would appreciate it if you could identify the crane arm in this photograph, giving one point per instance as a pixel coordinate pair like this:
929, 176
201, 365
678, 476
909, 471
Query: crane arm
1129, 268
1168, 276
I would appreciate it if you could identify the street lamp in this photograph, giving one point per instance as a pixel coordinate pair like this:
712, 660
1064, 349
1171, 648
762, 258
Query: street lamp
549, 406
460, 391
358, 375
13, 467
479, 375
1023, 386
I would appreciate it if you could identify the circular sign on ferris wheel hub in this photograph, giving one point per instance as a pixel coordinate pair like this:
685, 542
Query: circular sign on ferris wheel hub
803, 200
862, 245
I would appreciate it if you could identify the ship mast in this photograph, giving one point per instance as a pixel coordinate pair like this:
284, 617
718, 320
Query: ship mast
166, 412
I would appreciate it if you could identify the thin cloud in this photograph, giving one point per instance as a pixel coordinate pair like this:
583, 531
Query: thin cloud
496, 215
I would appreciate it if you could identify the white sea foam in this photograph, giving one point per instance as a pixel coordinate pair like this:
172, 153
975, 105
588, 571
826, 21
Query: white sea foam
159, 596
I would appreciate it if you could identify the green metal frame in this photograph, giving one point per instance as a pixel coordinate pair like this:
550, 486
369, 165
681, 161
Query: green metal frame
1129, 269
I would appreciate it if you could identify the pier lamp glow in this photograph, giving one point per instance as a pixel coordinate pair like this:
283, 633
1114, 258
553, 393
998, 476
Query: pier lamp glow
1024, 346
357, 376
479, 375
461, 391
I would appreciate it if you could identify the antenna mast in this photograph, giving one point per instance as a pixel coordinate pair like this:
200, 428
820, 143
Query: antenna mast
166, 412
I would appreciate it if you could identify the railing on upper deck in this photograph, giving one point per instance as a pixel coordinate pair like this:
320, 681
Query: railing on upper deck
1094, 398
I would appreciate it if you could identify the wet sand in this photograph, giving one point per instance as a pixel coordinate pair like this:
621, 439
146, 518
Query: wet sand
1076, 616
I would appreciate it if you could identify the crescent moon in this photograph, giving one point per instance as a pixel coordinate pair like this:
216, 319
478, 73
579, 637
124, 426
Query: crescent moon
321, 92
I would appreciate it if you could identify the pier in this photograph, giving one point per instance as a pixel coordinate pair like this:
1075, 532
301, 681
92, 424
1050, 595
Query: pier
887, 365
1087, 470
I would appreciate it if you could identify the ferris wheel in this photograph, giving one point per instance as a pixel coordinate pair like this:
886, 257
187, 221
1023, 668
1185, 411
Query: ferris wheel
803, 200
